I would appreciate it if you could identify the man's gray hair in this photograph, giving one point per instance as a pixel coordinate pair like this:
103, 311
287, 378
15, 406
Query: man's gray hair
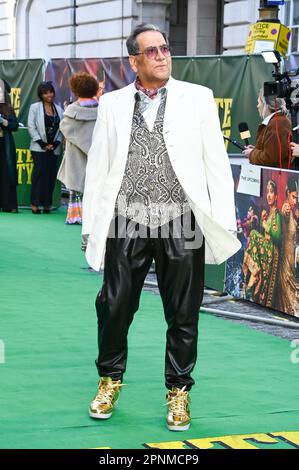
132, 44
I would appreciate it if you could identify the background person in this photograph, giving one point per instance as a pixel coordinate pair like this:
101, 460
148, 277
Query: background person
272, 141
43, 126
77, 127
8, 164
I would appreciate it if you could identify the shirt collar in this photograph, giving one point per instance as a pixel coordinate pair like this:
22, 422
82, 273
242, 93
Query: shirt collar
268, 118
149, 94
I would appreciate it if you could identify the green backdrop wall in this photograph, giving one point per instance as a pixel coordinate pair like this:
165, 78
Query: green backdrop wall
235, 81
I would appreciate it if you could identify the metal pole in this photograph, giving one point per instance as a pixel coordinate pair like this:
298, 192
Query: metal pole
236, 315
253, 318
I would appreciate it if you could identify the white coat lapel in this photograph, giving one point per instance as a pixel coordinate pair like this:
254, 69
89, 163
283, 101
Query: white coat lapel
41, 120
125, 110
174, 96
170, 128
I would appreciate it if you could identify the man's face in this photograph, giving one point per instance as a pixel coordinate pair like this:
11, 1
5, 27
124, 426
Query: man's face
151, 70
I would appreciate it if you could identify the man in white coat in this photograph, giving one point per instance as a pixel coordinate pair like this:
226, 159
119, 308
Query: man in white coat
157, 162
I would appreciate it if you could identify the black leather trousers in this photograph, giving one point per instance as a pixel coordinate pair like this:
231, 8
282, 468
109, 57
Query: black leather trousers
180, 275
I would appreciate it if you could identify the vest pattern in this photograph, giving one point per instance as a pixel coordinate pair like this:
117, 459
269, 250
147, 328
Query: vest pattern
150, 192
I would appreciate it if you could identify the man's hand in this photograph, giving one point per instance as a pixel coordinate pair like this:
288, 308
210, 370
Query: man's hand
295, 149
84, 241
248, 150
3, 121
233, 232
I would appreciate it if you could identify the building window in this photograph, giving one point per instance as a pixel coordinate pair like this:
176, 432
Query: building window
178, 27
291, 19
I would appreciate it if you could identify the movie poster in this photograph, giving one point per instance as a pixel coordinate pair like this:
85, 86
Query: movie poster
116, 72
266, 269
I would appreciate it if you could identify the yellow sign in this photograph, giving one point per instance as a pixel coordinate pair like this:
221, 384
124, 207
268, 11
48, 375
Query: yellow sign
264, 36
15, 97
224, 106
245, 441
24, 166
274, 440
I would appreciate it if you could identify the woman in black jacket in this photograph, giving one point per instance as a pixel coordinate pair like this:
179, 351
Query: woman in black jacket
8, 168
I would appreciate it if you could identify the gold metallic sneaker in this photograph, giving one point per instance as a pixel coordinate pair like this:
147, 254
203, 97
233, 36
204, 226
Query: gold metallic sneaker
178, 416
105, 400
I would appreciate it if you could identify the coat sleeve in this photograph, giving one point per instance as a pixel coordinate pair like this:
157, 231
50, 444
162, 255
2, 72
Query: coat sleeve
13, 123
59, 137
32, 127
74, 134
97, 168
269, 155
65, 128
217, 167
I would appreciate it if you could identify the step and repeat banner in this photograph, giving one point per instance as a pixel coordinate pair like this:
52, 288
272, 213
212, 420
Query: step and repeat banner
24, 77
116, 72
235, 81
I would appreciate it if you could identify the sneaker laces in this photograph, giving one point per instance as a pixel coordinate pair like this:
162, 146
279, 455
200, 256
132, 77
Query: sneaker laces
106, 392
177, 402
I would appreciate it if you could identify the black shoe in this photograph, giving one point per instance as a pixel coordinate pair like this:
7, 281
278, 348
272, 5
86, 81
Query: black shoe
10, 211
47, 211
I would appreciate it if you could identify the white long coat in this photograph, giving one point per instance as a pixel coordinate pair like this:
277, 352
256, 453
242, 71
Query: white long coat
196, 150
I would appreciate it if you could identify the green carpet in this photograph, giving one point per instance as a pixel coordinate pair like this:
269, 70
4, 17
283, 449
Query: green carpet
245, 381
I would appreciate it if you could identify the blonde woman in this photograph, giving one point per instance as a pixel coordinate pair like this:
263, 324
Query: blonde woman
272, 141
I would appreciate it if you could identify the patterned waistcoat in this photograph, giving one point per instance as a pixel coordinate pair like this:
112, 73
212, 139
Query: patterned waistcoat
150, 192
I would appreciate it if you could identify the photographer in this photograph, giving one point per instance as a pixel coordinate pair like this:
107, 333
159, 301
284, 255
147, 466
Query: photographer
271, 148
